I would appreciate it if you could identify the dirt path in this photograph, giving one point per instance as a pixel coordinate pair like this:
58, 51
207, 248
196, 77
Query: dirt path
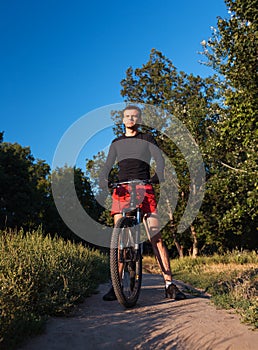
156, 323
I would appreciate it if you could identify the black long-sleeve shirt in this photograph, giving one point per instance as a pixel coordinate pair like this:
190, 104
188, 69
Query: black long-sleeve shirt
133, 154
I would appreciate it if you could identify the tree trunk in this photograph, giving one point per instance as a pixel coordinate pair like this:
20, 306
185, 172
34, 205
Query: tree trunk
195, 242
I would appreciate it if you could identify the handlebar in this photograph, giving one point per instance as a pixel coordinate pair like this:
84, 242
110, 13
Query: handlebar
129, 182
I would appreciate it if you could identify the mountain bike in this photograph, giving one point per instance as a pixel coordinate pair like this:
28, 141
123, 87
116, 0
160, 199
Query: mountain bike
126, 249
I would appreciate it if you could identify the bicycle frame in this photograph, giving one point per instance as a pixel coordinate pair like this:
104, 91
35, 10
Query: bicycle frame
134, 208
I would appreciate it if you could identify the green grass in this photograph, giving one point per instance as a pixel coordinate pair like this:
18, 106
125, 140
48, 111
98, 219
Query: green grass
231, 280
42, 276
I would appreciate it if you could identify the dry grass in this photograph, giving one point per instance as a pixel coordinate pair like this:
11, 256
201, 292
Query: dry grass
230, 267
150, 265
230, 279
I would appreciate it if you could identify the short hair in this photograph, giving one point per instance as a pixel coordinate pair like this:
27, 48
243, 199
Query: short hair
133, 107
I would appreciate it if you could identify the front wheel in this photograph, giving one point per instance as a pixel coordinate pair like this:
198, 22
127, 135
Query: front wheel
125, 263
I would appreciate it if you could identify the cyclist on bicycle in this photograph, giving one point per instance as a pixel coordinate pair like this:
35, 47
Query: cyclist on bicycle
133, 152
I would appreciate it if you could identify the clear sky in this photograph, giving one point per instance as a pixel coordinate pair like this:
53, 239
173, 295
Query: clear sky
61, 59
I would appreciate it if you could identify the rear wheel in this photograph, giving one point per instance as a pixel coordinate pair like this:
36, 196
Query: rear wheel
125, 263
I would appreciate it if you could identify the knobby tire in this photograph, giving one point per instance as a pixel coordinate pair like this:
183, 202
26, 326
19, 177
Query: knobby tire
125, 299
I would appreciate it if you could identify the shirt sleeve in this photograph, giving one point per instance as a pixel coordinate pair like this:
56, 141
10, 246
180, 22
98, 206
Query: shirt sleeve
157, 156
111, 157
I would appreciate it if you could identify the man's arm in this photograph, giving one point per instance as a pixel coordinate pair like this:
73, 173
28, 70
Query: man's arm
159, 160
103, 177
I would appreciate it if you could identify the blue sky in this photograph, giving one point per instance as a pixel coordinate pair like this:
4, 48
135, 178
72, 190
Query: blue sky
62, 59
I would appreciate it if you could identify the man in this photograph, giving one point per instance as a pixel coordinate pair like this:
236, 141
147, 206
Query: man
133, 152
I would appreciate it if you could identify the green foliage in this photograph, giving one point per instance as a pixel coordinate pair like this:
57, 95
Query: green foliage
25, 192
22, 186
103, 196
42, 276
65, 198
232, 52
93, 167
232, 49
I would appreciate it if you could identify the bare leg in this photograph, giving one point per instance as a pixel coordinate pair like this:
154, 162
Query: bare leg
159, 249
117, 217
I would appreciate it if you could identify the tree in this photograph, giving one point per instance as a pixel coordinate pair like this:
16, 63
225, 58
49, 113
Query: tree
26, 198
61, 178
232, 52
193, 101
103, 197
22, 186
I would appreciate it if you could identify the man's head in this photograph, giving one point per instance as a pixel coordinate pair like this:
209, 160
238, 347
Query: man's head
132, 107
132, 116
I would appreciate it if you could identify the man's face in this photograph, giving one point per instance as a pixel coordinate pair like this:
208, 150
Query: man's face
131, 118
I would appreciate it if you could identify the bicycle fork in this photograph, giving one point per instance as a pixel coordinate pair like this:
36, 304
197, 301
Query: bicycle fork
130, 238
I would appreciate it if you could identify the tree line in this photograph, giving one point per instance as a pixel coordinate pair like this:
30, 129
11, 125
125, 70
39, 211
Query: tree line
26, 199
220, 112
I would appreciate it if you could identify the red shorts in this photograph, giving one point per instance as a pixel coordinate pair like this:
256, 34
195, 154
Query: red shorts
144, 194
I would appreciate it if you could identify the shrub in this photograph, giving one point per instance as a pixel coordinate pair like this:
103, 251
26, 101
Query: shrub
42, 276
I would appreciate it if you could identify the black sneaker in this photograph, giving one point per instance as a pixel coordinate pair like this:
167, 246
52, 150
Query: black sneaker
110, 296
173, 292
